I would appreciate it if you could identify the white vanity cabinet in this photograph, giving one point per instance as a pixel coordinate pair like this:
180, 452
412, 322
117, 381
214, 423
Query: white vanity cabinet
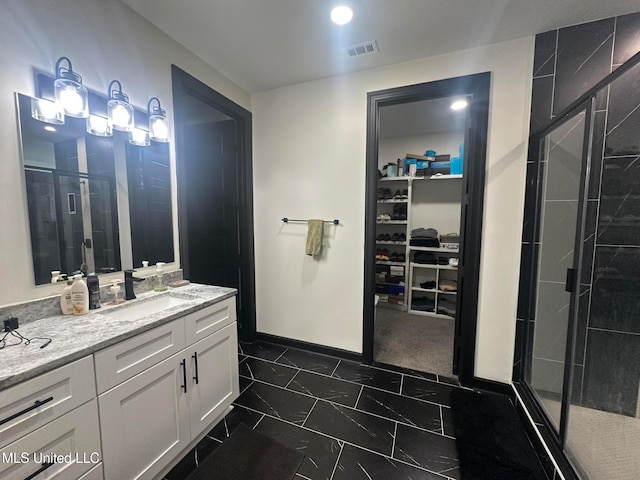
49, 425
181, 378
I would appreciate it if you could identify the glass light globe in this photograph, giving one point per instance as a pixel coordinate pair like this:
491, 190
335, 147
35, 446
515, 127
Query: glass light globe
120, 115
159, 128
72, 96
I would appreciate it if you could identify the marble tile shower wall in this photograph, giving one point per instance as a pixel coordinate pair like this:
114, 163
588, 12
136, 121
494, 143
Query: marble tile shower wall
568, 62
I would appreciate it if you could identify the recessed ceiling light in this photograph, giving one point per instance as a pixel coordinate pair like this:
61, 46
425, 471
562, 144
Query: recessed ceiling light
50, 129
459, 105
341, 15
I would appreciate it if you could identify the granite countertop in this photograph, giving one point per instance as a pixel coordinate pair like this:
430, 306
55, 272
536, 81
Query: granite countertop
75, 337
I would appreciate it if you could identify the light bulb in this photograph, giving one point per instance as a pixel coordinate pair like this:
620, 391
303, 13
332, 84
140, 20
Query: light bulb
341, 15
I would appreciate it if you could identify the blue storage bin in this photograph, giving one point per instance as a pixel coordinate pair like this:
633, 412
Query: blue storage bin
456, 166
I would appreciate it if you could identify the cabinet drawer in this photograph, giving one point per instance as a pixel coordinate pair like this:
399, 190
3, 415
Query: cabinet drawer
208, 320
71, 443
122, 361
34, 403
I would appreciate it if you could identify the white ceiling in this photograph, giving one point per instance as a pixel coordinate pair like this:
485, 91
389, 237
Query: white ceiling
265, 44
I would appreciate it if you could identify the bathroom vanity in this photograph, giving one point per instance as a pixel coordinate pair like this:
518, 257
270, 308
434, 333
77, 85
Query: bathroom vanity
121, 393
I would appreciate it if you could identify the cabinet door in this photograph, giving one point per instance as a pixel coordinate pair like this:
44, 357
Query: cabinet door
63, 449
145, 421
214, 377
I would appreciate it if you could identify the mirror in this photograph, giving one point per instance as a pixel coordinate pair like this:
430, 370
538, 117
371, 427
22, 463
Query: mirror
98, 203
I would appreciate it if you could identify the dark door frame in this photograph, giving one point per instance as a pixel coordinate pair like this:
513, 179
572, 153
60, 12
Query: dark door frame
477, 87
185, 84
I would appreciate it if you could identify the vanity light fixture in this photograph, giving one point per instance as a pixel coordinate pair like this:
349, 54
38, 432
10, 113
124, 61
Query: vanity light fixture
158, 122
120, 111
69, 92
99, 126
139, 137
47, 111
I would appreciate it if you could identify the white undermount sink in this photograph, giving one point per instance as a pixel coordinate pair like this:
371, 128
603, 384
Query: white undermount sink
145, 308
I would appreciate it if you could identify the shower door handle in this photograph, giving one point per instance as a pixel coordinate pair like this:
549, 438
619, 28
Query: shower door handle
570, 282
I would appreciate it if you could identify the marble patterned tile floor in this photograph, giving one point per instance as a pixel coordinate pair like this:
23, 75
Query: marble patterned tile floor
352, 421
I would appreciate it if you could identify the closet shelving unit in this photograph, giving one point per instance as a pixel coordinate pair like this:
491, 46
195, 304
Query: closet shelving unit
391, 227
432, 272
403, 226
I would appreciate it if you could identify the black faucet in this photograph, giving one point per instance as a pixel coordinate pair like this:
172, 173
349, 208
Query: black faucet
128, 284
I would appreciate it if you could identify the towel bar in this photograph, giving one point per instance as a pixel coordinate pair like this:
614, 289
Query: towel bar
287, 220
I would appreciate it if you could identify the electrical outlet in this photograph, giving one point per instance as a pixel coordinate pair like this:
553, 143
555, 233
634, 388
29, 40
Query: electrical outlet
10, 324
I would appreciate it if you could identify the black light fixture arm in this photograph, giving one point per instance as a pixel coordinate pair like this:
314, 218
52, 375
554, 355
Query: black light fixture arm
66, 72
116, 93
155, 110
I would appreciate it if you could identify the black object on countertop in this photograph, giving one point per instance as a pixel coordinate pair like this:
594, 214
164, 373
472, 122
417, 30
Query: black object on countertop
249, 455
490, 437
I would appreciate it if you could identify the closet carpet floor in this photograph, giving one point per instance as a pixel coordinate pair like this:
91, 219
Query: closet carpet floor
352, 421
414, 341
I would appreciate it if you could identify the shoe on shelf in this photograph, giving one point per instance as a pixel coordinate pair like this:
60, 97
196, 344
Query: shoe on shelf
394, 257
397, 195
380, 238
403, 237
380, 193
387, 194
401, 257
378, 254
384, 255
386, 237
395, 216
395, 237
383, 217
405, 194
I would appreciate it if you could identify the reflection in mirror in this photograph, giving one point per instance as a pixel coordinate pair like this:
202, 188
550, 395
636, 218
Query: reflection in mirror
95, 203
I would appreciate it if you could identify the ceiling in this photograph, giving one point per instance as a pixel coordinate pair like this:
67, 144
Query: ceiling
266, 44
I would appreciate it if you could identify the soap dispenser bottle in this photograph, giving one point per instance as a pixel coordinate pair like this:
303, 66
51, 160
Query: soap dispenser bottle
116, 296
79, 296
65, 299
161, 285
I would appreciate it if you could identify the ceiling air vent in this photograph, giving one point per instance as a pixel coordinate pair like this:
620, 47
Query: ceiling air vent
360, 49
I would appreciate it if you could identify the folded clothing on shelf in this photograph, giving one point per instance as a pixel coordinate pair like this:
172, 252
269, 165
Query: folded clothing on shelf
424, 304
446, 307
424, 233
448, 285
450, 238
428, 285
425, 257
425, 242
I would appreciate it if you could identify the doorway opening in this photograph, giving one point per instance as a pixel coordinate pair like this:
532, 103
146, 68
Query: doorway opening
424, 203
215, 201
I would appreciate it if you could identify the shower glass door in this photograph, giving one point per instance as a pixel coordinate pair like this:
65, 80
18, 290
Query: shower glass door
561, 179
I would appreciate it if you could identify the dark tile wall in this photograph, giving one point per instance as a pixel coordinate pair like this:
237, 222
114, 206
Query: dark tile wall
568, 62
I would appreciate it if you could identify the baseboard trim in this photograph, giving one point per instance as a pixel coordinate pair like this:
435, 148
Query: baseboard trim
312, 347
491, 386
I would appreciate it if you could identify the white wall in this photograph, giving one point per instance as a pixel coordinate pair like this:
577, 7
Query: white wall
105, 40
309, 162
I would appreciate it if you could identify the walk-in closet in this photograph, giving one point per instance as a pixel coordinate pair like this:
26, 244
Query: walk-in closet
420, 185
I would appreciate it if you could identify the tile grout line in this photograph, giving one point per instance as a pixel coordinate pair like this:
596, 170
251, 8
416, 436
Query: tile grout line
280, 356
372, 386
336, 368
339, 440
395, 435
355, 405
335, 467
309, 412
352, 408
418, 375
401, 383
259, 420
292, 378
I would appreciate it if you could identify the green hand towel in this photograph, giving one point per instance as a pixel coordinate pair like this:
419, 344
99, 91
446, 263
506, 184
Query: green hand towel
315, 237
